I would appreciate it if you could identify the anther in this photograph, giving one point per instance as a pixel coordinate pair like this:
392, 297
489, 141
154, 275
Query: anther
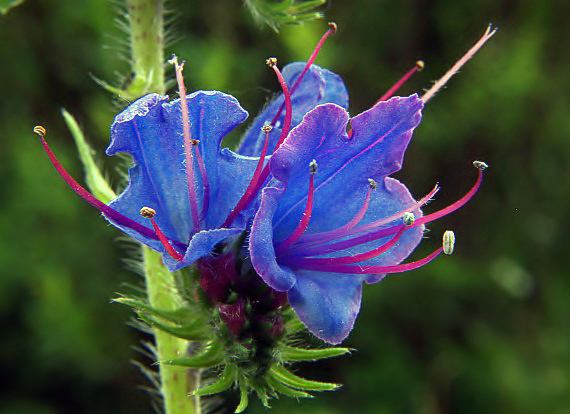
266, 128
333, 26
408, 218
373, 184
480, 165
420, 65
40, 130
194, 141
271, 62
448, 242
148, 212
313, 166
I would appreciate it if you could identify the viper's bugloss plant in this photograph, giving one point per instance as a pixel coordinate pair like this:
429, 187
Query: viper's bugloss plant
278, 235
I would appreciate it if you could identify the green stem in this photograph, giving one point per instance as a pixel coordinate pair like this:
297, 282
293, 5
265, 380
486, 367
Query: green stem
176, 382
146, 21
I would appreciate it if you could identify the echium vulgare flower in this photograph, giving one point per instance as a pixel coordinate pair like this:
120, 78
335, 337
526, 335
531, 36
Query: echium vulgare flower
304, 213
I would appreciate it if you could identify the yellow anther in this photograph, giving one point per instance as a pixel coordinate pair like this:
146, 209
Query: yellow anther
147, 212
40, 130
271, 62
420, 65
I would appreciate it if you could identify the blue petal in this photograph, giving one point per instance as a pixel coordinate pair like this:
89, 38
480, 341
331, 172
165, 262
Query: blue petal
201, 245
150, 130
327, 303
261, 243
317, 87
375, 150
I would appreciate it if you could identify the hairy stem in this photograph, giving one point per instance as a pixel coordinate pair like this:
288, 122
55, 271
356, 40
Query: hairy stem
175, 382
146, 23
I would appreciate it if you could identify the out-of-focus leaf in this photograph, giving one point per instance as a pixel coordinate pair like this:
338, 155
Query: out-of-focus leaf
284, 12
6, 5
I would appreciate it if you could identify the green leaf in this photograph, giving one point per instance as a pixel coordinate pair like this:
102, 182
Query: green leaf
178, 316
194, 332
284, 12
212, 356
285, 390
93, 176
244, 399
223, 383
289, 353
281, 374
6, 5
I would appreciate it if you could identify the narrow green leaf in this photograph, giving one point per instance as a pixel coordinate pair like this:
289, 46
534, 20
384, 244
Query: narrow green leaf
294, 381
6, 5
289, 353
190, 333
93, 176
178, 316
244, 399
212, 356
285, 390
223, 383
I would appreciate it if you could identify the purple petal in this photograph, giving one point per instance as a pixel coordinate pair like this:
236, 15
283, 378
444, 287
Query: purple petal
327, 303
318, 86
261, 244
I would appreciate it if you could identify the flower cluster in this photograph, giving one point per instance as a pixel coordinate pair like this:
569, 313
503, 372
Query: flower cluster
305, 206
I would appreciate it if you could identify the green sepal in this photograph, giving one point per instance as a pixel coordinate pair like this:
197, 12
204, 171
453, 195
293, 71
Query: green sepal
243, 398
281, 374
191, 332
223, 383
212, 356
289, 353
285, 390
284, 12
178, 316
93, 176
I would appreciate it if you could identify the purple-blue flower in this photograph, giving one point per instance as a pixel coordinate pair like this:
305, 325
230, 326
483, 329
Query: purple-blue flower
333, 218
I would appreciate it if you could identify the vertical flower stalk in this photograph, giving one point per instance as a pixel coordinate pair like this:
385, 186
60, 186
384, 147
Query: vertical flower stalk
146, 29
146, 23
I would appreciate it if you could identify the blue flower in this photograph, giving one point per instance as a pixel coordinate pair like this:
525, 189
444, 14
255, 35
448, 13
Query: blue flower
333, 218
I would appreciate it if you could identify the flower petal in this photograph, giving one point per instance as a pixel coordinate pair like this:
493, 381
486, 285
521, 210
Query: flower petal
327, 303
345, 163
261, 243
318, 86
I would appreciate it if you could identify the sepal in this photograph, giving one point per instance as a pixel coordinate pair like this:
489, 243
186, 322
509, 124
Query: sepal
212, 356
292, 354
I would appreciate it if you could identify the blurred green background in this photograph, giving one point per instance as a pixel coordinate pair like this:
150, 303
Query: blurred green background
485, 330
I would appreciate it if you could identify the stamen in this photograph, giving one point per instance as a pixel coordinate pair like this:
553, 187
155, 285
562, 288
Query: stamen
111, 213
448, 242
408, 218
251, 189
188, 144
307, 213
384, 232
373, 270
344, 260
149, 213
344, 231
455, 68
348, 226
272, 63
332, 30
418, 67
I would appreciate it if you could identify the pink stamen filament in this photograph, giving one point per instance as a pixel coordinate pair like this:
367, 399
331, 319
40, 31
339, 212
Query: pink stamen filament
318, 237
252, 188
324, 237
455, 68
390, 92
344, 260
93, 201
188, 146
378, 234
332, 30
373, 270
164, 240
305, 219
